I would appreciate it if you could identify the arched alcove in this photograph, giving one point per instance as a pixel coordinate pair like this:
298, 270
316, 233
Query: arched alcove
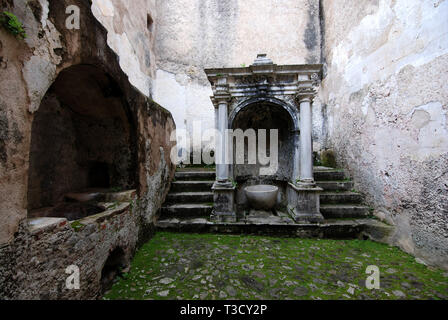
268, 116
82, 139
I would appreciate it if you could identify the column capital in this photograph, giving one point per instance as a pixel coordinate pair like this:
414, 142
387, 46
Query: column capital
306, 94
221, 97
221, 91
215, 103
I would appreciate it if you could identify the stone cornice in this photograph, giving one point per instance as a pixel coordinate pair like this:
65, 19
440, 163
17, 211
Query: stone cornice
273, 69
264, 79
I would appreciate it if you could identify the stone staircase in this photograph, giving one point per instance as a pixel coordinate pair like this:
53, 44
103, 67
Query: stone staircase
339, 200
190, 203
191, 195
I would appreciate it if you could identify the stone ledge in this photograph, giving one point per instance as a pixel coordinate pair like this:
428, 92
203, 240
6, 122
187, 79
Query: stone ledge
37, 225
102, 195
48, 224
103, 216
303, 188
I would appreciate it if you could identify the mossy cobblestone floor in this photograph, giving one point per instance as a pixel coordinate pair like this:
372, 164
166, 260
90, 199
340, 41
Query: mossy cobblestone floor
225, 267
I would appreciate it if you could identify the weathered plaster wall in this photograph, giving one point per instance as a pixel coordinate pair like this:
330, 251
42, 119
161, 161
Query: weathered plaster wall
131, 35
197, 34
33, 266
386, 100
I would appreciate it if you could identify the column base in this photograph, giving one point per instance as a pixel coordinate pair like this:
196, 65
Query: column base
224, 202
306, 184
304, 203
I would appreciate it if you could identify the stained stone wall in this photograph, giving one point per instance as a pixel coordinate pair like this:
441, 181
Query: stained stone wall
33, 257
386, 110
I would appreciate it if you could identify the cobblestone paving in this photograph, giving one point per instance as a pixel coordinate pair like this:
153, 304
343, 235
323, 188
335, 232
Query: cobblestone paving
221, 267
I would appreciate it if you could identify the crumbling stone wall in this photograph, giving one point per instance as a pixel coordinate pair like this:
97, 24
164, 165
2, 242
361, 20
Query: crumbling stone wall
33, 265
386, 102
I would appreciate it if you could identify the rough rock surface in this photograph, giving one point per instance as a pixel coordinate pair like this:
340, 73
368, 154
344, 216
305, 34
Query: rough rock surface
386, 100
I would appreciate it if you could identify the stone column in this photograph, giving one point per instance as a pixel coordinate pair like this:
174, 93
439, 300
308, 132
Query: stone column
304, 195
296, 169
306, 145
222, 167
223, 189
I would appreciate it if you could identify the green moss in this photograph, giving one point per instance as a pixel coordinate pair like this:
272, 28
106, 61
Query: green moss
12, 24
328, 159
77, 226
115, 189
113, 206
284, 265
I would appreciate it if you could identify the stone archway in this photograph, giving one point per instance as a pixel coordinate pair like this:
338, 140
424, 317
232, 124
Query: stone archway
291, 110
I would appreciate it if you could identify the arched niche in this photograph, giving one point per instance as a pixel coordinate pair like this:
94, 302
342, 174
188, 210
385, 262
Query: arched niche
265, 114
82, 139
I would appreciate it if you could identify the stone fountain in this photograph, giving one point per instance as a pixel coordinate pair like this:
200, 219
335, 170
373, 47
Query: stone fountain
266, 96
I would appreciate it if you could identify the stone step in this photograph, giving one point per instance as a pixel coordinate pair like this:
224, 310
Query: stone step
335, 185
340, 197
330, 229
190, 197
195, 176
329, 175
336, 211
185, 211
196, 169
191, 186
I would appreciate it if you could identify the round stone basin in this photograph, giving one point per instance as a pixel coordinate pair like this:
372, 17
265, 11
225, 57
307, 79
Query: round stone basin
262, 197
